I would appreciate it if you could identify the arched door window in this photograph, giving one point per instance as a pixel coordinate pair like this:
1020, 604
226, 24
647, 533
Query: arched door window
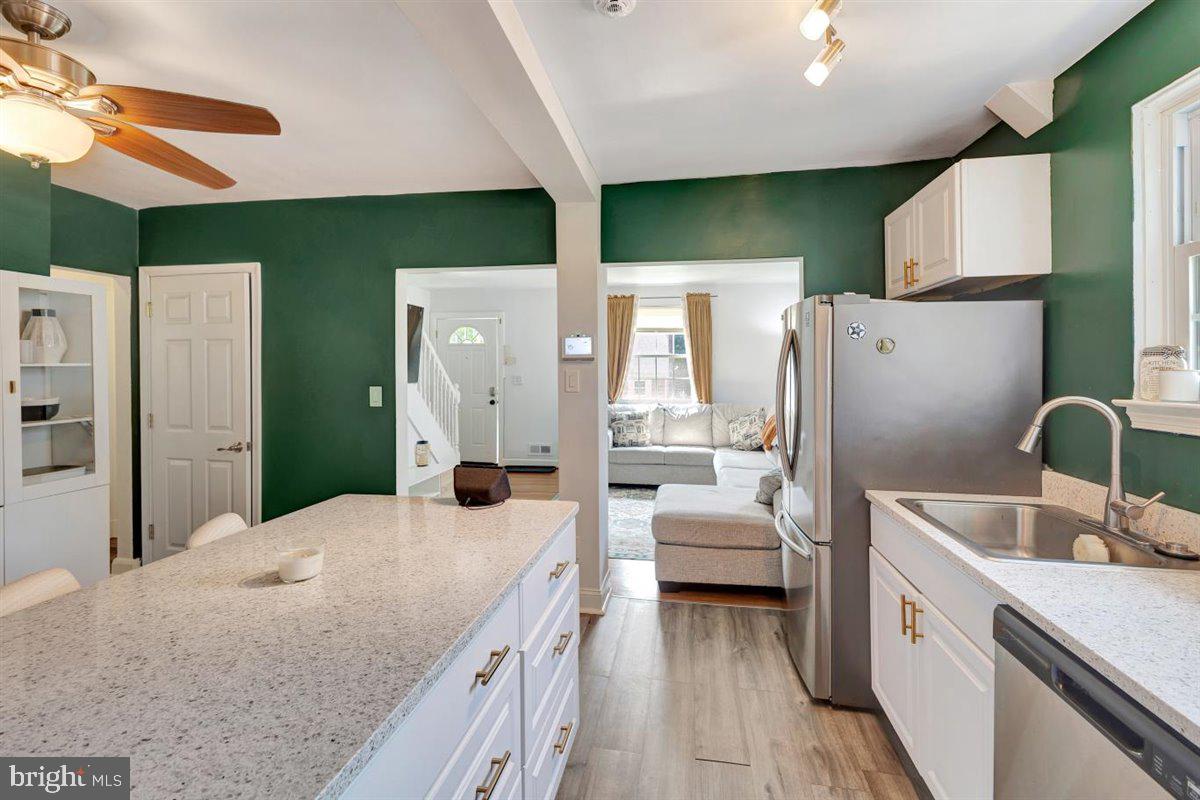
466, 334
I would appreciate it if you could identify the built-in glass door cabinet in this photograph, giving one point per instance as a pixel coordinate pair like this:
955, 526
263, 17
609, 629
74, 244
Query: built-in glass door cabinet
982, 223
53, 358
935, 685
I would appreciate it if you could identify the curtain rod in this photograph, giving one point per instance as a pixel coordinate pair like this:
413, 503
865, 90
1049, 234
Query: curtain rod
669, 297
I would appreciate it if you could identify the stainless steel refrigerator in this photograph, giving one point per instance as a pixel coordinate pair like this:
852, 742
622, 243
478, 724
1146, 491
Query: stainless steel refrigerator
875, 394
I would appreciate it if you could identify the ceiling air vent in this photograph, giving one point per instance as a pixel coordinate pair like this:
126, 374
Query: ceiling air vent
615, 8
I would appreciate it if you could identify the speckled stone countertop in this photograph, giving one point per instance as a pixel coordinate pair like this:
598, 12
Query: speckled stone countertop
219, 681
1138, 627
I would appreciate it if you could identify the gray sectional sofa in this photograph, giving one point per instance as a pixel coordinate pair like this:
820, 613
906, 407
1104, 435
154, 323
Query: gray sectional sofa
707, 525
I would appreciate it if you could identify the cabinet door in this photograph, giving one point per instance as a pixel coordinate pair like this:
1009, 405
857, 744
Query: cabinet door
63, 444
893, 653
937, 230
956, 684
897, 248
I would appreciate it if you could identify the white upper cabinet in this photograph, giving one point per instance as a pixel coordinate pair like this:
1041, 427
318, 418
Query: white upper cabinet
982, 223
55, 386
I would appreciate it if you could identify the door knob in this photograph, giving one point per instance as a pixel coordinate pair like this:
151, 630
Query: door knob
237, 447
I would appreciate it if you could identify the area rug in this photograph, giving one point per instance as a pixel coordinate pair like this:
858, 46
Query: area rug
629, 512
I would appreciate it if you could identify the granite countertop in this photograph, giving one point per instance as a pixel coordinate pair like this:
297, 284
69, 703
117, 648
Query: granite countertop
219, 681
1138, 627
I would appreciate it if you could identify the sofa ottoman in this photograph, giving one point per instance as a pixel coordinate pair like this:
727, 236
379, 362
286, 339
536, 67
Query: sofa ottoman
714, 534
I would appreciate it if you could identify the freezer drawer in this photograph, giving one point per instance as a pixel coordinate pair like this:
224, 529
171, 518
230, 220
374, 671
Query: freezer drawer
806, 614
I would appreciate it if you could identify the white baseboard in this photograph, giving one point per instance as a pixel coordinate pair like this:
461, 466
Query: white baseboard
121, 564
595, 601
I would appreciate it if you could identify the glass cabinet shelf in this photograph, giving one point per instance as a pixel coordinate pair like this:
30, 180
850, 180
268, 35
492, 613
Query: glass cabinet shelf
41, 423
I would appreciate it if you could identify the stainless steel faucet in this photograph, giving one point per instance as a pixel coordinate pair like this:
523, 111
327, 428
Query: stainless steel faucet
1117, 510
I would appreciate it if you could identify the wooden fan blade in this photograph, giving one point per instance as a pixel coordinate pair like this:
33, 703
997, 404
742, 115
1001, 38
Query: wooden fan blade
184, 111
13, 66
149, 149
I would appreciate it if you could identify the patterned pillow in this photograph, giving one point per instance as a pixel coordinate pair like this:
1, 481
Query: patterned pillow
745, 432
631, 429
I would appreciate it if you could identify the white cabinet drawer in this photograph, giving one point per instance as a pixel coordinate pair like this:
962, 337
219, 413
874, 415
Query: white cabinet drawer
553, 648
416, 752
487, 764
547, 577
544, 768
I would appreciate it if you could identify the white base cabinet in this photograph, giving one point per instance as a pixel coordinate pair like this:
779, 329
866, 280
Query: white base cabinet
982, 223
508, 738
936, 684
66, 530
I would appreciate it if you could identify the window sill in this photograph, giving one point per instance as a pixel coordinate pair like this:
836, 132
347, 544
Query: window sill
1157, 415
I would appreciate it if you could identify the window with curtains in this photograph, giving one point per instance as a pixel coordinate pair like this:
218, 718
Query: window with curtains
658, 368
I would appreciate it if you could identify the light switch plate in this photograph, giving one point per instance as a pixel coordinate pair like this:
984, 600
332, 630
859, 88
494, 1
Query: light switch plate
572, 380
375, 396
518, 380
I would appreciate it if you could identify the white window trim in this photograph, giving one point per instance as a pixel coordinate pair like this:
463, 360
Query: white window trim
1155, 289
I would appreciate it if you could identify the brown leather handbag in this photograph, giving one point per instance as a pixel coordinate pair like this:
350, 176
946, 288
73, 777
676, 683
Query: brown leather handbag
480, 485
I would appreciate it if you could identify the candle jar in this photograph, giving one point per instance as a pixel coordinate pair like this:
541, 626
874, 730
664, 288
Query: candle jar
1152, 361
421, 454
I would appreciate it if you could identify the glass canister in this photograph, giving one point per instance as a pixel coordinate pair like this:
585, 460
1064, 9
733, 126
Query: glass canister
47, 340
1152, 361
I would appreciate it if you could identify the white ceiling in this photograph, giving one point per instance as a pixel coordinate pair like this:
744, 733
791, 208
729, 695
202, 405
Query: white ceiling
677, 89
364, 107
697, 89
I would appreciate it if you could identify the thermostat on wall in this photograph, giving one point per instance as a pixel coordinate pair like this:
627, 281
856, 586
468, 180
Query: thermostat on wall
577, 347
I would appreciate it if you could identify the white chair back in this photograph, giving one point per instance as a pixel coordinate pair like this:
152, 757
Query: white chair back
216, 528
36, 588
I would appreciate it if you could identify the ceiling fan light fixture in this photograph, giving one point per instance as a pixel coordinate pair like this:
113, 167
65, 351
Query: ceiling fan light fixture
824, 63
39, 131
818, 18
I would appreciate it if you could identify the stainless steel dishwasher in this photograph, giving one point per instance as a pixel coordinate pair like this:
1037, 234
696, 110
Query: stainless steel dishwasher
1063, 731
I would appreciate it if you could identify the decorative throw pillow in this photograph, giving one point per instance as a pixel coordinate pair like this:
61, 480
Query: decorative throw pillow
631, 429
768, 485
745, 432
769, 433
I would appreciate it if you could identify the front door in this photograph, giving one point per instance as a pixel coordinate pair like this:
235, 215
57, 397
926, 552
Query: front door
470, 349
200, 402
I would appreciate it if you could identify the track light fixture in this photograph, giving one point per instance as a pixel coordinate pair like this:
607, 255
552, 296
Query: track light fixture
818, 18
828, 58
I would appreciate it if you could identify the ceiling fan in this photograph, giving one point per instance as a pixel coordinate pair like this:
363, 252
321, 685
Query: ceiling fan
52, 109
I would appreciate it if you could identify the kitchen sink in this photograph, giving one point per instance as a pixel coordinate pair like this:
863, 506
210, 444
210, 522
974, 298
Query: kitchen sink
1031, 532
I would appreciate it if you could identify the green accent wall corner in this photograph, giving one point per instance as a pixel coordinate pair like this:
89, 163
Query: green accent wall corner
328, 278
24, 216
1089, 295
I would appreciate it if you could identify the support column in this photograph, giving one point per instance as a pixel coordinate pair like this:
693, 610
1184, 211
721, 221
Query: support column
583, 415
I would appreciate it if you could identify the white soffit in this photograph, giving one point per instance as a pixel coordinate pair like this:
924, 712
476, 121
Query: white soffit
365, 107
681, 89
485, 278
705, 274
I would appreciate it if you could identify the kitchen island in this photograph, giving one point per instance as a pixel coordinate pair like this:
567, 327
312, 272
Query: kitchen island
218, 680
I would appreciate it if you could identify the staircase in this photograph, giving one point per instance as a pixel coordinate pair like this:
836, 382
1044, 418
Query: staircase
433, 416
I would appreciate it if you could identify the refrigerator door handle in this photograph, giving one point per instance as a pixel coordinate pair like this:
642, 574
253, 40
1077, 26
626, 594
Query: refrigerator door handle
787, 439
797, 544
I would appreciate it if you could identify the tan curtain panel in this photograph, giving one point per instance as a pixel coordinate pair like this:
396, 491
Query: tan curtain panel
622, 311
697, 318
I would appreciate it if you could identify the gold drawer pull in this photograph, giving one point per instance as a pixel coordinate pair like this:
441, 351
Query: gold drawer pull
497, 657
559, 569
903, 615
912, 629
484, 790
563, 640
561, 744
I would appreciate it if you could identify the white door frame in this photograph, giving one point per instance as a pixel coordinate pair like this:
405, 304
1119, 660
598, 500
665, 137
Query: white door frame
401, 357
437, 316
120, 406
256, 437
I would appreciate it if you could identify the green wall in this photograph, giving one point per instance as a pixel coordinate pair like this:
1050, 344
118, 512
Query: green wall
832, 217
24, 216
328, 270
1089, 296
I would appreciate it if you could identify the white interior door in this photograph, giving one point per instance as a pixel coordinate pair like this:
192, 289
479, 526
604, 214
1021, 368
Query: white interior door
470, 349
200, 402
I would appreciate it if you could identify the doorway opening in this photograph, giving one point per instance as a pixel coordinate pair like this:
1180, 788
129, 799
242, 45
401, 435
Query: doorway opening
479, 378
700, 343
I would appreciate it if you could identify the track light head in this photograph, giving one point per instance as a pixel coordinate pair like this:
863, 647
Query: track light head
824, 63
818, 18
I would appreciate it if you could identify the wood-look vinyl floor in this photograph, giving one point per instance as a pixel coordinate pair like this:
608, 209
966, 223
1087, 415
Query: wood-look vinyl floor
635, 580
683, 701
